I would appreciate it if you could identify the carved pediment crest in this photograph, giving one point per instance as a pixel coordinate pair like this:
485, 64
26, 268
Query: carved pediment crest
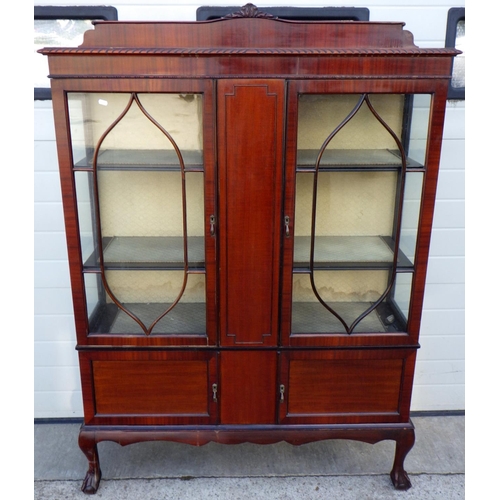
250, 10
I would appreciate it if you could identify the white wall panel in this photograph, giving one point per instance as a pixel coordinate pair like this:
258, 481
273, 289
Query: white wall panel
59, 404
453, 154
438, 397
45, 151
63, 351
444, 296
49, 217
454, 124
449, 214
44, 129
51, 274
446, 270
442, 347
304, 3
47, 187
432, 30
55, 327
447, 242
439, 372
50, 245
68, 379
161, 13
439, 378
443, 322
451, 185
53, 301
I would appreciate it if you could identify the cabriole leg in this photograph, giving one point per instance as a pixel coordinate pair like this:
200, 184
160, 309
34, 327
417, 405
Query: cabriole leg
87, 444
404, 444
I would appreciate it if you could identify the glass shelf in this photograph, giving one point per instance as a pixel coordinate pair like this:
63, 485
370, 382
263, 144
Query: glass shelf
184, 318
130, 252
143, 159
313, 318
352, 159
348, 252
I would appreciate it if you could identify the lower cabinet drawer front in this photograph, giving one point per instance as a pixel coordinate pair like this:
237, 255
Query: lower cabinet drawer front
155, 389
342, 390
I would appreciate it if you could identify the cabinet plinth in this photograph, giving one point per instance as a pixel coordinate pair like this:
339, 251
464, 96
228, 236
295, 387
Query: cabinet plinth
248, 204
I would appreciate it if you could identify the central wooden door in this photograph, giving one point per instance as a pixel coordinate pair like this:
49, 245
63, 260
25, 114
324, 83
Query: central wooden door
250, 124
250, 153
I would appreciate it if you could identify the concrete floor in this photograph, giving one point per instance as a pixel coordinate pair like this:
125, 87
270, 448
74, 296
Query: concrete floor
329, 469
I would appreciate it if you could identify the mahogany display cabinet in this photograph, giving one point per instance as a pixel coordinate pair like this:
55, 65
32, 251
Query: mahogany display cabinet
248, 205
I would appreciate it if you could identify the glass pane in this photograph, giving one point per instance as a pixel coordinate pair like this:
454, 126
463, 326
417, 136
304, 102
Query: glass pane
145, 233
400, 298
180, 115
93, 293
360, 141
147, 295
149, 205
86, 219
411, 215
350, 294
458, 76
418, 129
55, 33
354, 217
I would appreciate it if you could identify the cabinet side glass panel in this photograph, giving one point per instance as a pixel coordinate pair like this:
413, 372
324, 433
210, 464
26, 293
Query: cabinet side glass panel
411, 214
140, 191
357, 205
417, 127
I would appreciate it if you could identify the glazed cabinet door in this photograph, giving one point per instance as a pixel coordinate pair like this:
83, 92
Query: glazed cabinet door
142, 166
356, 165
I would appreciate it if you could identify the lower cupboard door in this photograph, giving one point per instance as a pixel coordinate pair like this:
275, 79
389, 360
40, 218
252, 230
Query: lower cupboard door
353, 386
145, 388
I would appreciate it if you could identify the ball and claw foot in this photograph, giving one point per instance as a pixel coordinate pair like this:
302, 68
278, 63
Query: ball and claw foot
91, 481
88, 445
404, 444
400, 479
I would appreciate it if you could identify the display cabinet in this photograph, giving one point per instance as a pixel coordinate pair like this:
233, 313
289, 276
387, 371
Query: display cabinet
248, 206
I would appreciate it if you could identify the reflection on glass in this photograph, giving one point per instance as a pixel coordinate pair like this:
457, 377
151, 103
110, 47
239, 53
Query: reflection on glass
458, 76
55, 33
